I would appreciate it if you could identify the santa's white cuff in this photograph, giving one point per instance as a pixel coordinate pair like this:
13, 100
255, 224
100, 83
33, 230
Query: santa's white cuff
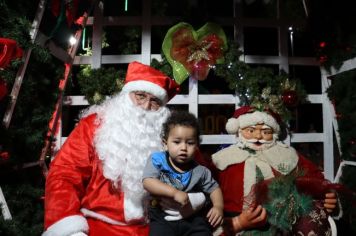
68, 226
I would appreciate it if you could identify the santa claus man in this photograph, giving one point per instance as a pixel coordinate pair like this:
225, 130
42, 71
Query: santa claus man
257, 155
94, 182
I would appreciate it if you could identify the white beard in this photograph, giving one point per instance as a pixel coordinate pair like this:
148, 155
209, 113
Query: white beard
250, 143
126, 137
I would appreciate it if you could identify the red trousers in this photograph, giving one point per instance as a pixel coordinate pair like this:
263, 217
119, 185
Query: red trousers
101, 228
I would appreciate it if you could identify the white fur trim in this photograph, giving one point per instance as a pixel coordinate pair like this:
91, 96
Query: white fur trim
92, 214
232, 126
146, 86
68, 226
250, 173
133, 208
255, 118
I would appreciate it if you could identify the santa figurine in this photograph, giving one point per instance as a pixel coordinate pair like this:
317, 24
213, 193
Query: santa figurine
257, 156
94, 183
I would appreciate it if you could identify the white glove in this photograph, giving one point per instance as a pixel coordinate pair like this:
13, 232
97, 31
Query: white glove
79, 234
174, 212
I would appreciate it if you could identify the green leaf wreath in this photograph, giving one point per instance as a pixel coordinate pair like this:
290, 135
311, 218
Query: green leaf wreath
96, 84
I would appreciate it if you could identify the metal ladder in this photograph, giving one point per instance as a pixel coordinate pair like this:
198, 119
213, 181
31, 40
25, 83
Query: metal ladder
68, 58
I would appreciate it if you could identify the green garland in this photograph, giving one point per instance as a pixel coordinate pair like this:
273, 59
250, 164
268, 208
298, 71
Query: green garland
95, 84
342, 94
24, 139
259, 86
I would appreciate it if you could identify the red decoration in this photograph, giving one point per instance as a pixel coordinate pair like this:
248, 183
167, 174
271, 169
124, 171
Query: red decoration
4, 156
3, 89
290, 98
9, 50
197, 56
323, 59
71, 9
322, 44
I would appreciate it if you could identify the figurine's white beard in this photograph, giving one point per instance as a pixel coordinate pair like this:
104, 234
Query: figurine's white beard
251, 143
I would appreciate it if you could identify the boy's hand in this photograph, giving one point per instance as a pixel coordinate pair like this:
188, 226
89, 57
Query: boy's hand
215, 216
181, 197
330, 202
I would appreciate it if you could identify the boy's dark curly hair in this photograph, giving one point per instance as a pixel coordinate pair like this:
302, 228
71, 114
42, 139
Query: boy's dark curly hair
180, 118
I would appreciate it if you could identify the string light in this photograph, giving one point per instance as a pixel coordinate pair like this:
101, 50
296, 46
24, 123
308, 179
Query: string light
72, 40
291, 39
126, 5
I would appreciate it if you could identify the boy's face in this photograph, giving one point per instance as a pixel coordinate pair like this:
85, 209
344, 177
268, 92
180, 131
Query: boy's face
181, 144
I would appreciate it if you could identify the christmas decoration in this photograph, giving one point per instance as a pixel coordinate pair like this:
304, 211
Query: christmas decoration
3, 89
287, 203
329, 26
4, 156
260, 86
342, 93
290, 98
23, 140
96, 84
67, 8
193, 52
9, 50
26, 132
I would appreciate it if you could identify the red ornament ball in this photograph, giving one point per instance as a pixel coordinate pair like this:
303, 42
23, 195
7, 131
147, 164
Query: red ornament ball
4, 156
3, 89
290, 98
322, 44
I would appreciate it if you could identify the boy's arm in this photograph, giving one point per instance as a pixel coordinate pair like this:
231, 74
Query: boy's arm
157, 188
215, 214
217, 199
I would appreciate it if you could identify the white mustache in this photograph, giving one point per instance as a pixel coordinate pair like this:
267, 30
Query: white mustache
253, 140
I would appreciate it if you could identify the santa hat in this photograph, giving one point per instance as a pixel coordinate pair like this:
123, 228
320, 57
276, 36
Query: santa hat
140, 77
247, 115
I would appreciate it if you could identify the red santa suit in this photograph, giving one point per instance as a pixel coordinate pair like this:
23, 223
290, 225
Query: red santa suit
257, 156
237, 170
79, 188
94, 183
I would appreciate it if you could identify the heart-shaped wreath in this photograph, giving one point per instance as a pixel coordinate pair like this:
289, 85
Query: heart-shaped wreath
193, 53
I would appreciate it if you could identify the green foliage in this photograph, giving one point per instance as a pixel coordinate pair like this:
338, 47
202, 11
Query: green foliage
329, 23
95, 84
14, 26
342, 93
260, 86
163, 66
286, 203
24, 139
26, 210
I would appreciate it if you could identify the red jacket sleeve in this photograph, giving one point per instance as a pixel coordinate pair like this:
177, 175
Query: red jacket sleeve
69, 172
309, 168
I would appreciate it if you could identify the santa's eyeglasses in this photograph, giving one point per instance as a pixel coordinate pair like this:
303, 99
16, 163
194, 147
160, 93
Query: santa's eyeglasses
143, 98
